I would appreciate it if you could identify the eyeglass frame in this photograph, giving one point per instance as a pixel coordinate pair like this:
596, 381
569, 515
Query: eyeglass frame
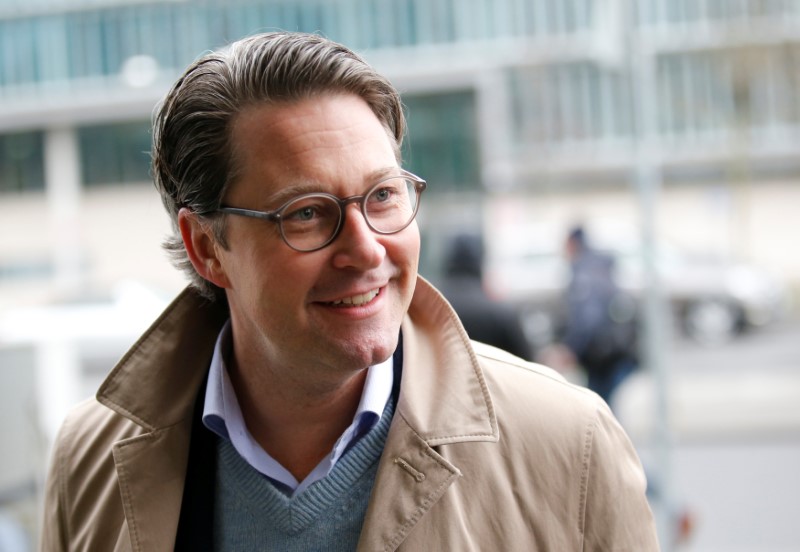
420, 185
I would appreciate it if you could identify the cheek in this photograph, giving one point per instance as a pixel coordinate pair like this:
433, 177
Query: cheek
287, 276
254, 268
404, 255
410, 247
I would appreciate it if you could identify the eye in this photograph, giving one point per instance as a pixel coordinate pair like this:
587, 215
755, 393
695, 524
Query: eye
303, 214
308, 208
389, 192
383, 194
310, 213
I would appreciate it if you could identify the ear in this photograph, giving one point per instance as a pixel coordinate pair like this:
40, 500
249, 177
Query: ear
202, 248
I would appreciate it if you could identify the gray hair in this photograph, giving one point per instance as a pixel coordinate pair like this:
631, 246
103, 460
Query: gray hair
193, 159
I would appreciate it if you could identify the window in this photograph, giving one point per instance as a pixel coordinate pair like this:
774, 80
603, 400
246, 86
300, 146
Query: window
442, 144
21, 162
114, 154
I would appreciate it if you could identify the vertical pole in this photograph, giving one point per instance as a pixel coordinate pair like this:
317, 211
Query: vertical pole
492, 103
63, 185
648, 182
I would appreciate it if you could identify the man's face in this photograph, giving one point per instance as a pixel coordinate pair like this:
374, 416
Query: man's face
339, 307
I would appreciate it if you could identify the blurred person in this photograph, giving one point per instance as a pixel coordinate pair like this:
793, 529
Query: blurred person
599, 335
599, 327
485, 319
309, 390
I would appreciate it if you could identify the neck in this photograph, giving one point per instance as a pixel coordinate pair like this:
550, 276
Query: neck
296, 423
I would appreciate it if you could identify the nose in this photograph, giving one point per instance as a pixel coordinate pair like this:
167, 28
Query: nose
357, 246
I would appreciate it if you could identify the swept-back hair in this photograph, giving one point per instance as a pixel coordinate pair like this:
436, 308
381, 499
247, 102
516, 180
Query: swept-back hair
193, 158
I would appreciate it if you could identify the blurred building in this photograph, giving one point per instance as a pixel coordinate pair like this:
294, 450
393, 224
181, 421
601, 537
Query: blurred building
520, 111
517, 98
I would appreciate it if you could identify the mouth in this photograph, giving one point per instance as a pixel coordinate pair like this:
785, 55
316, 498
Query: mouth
356, 300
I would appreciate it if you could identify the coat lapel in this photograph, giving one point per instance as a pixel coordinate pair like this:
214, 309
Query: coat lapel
151, 469
170, 361
412, 477
443, 400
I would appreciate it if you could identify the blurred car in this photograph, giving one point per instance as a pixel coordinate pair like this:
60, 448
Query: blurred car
712, 299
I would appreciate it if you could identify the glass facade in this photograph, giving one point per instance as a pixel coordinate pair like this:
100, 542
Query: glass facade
670, 12
91, 43
724, 69
114, 154
752, 89
442, 142
21, 162
569, 103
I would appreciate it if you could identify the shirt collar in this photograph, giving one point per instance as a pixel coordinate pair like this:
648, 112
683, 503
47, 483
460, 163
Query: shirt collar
223, 416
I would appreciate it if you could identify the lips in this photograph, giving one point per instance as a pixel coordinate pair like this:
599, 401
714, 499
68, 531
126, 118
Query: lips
356, 300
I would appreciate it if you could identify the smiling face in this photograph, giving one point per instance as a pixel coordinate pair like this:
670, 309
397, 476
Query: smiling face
329, 311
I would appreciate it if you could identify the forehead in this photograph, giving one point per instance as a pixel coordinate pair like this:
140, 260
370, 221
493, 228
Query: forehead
308, 131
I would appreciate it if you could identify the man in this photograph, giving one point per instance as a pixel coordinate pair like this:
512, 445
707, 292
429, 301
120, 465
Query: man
309, 391
599, 331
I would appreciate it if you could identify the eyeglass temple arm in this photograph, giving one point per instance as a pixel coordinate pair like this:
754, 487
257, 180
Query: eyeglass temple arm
250, 213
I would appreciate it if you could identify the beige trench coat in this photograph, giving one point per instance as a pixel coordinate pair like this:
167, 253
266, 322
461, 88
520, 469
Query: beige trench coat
485, 451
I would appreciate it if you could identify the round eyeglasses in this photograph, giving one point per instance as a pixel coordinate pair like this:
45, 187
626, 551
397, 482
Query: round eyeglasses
311, 221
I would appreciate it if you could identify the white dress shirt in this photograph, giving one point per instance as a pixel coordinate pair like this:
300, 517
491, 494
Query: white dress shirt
222, 415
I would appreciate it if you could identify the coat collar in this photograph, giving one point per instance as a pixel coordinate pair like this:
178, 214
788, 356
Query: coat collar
443, 399
155, 384
443, 394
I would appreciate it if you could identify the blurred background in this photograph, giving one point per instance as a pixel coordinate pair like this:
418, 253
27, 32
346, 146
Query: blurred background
669, 128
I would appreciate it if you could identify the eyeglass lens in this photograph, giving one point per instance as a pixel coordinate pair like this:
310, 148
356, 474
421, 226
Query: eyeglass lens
311, 221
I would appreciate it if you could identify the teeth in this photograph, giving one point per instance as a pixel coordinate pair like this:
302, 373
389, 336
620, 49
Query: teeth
357, 300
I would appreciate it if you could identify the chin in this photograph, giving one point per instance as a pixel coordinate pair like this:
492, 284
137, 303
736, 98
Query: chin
369, 352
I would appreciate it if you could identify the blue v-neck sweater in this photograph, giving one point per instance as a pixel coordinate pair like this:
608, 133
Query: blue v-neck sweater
252, 514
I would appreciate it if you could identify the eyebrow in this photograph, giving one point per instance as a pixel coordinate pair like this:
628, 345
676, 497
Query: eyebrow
279, 198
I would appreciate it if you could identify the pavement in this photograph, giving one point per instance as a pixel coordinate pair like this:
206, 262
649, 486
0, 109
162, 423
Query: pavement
750, 386
731, 460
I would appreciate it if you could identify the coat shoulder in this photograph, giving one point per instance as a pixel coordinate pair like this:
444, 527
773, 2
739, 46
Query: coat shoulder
534, 402
560, 455
520, 380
